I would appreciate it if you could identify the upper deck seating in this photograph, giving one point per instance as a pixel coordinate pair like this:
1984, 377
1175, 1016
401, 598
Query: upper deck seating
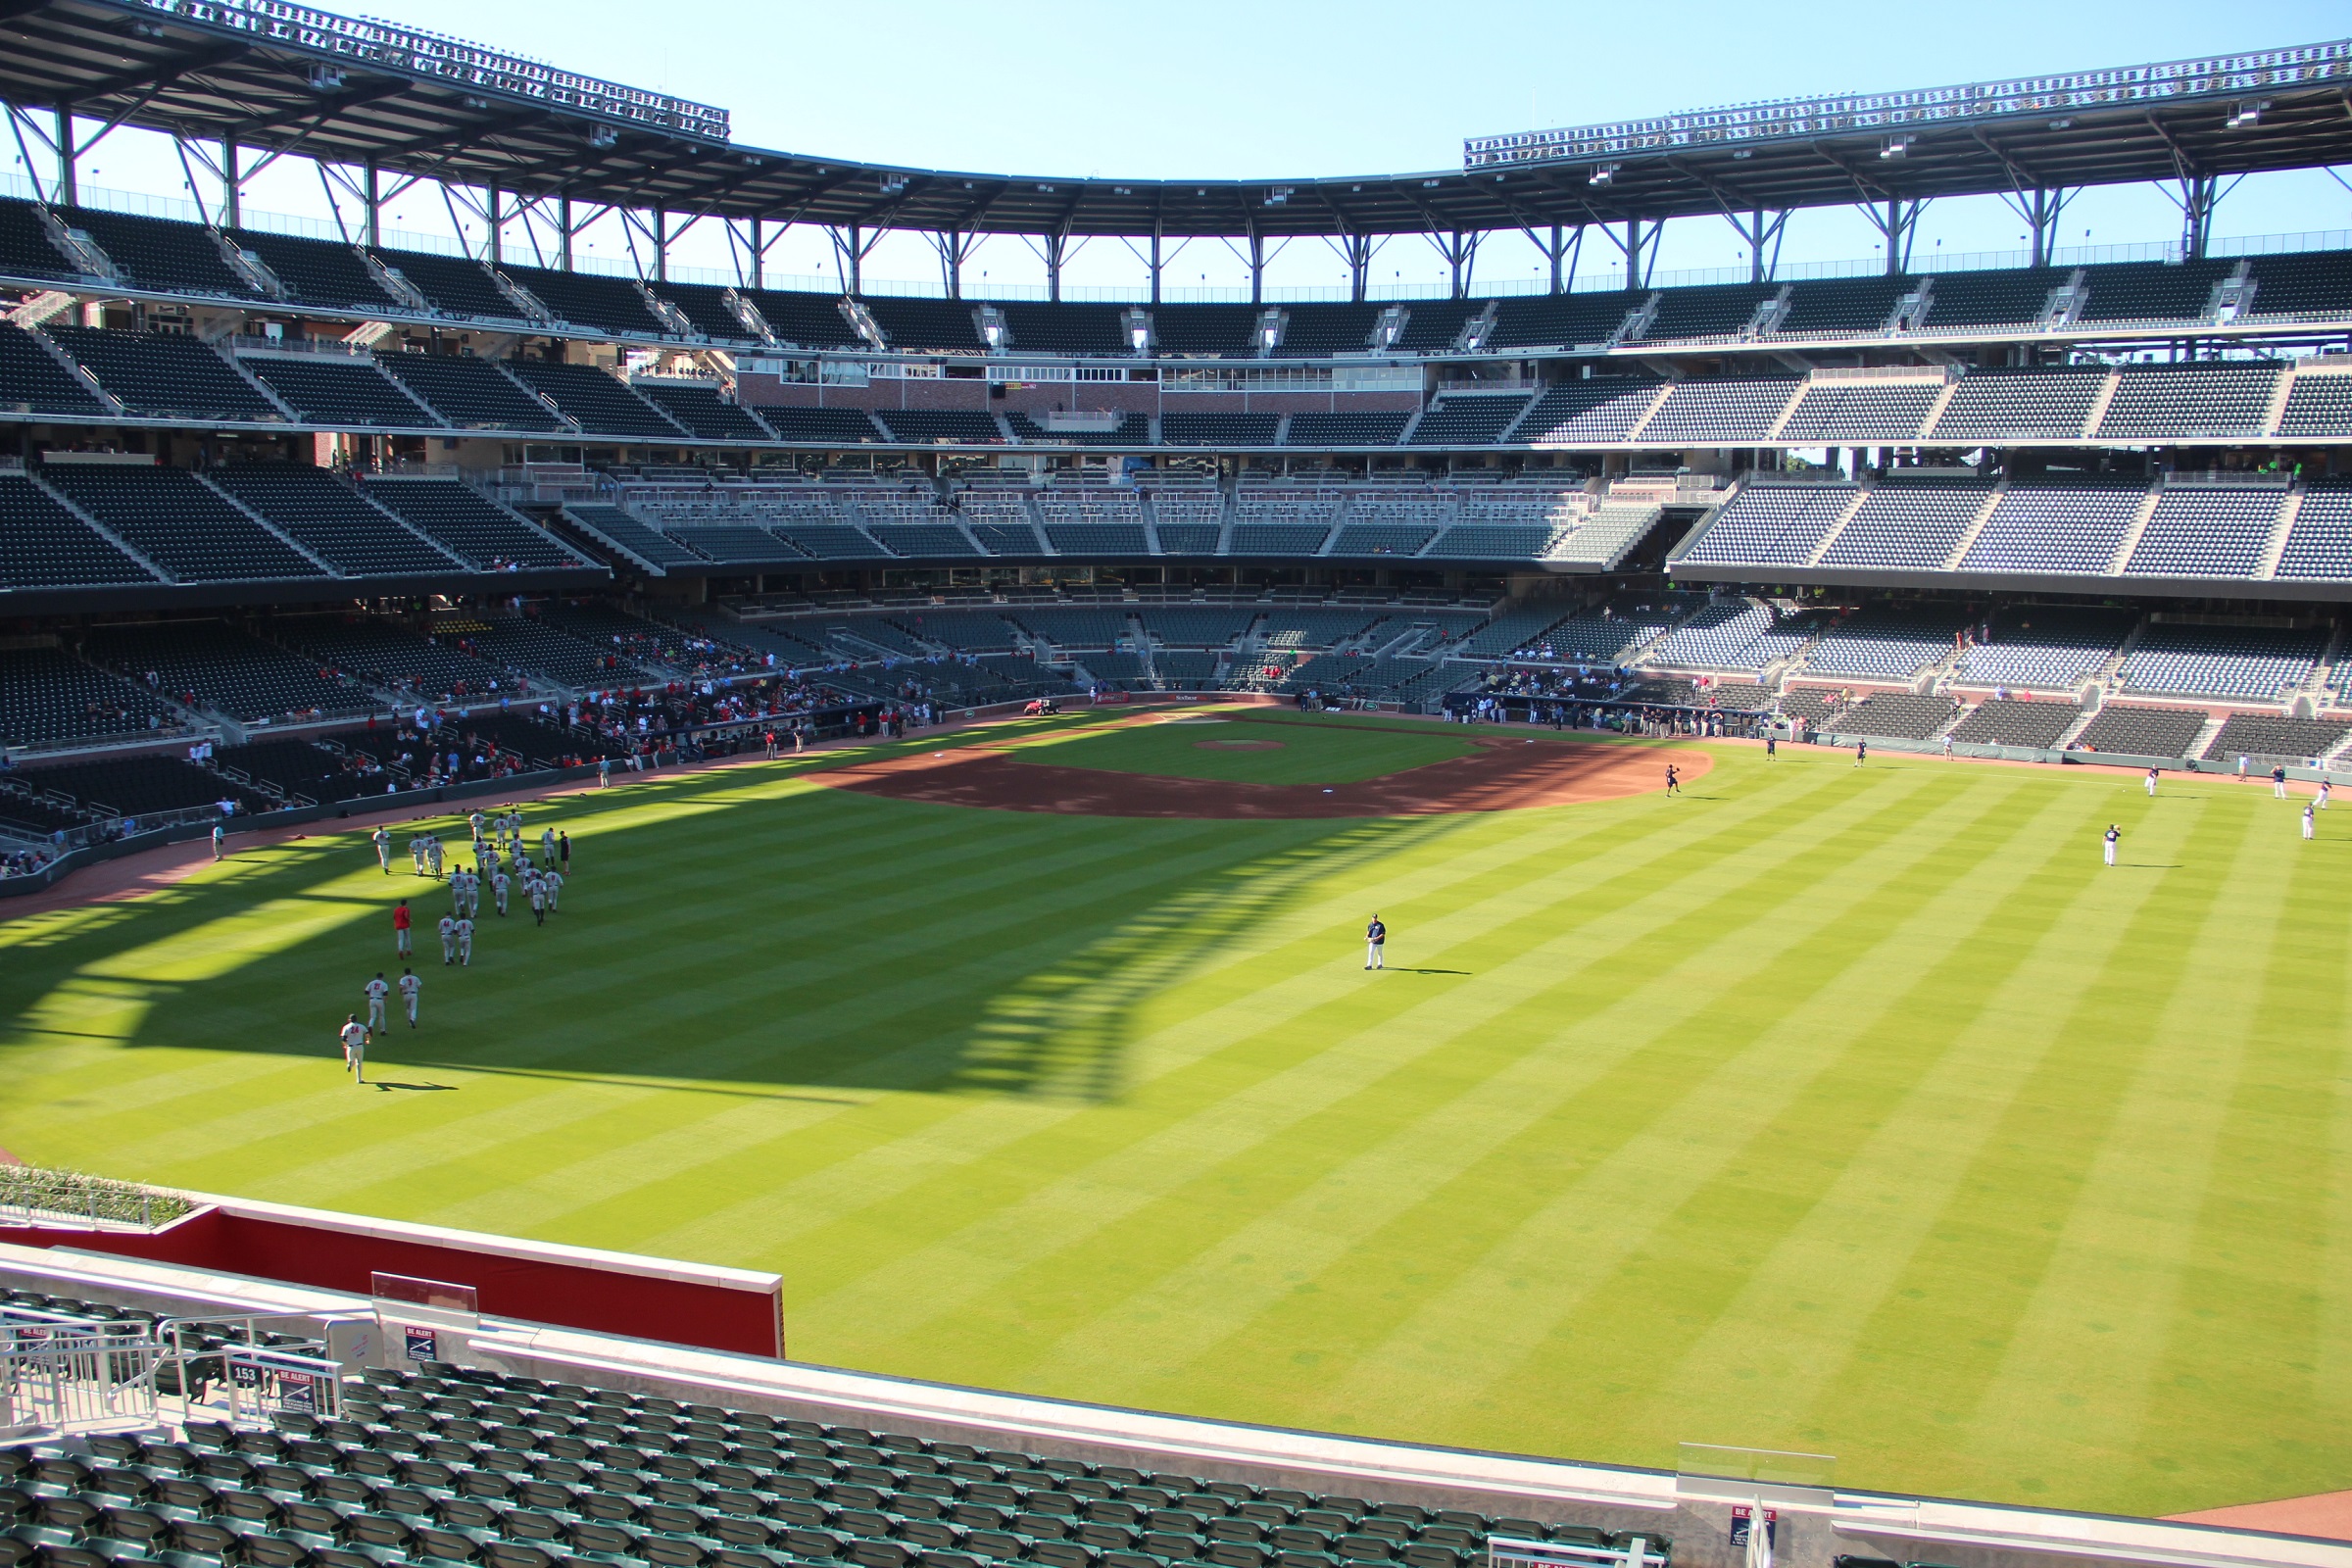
1772, 525
731, 544
1991, 299
2197, 532
2198, 399
2152, 291
598, 402
1363, 429
159, 255
1994, 405
829, 426
811, 320
1849, 412
319, 273
2320, 543
1910, 524
1210, 330
706, 309
2303, 286
345, 392
477, 530
592, 300
26, 248
1578, 413
1310, 330
456, 286
2318, 405
1565, 321
622, 530
1066, 328
471, 394
164, 375
941, 327
48, 697
178, 522
1132, 430
1708, 311
34, 382
698, 407
1850, 307
2054, 527
42, 545
1468, 418
1432, 327
331, 521
942, 425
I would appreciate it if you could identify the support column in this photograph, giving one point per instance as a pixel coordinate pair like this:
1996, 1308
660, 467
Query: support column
563, 222
1898, 220
1356, 251
951, 256
1635, 275
1460, 250
498, 226
1257, 267
232, 185
69, 185
1156, 262
374, 228
1055, 245
661, 246
1552, 254
758, 254
2199, 195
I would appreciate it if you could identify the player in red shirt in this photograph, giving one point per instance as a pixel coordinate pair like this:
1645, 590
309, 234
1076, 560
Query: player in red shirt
400, 928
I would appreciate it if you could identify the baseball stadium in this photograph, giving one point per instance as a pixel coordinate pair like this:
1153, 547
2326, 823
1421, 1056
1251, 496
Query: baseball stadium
1311, 928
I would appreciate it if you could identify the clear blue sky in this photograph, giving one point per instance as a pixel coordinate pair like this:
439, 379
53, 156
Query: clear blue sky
1218, 89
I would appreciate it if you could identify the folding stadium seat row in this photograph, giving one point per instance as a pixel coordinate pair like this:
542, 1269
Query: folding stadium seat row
2266, 738
470, 526
1897, 717
164, 375
1773, 525
52, 697
178, 522
2004, 721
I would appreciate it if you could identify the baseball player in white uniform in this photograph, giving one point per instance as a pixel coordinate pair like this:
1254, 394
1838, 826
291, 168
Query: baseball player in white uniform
353, 1035
377, 989
466, 940
410, 987
449, 939
383, 849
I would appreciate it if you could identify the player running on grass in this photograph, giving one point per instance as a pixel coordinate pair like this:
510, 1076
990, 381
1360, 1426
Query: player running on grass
376, 991
410, 987
353, 1035
383, 849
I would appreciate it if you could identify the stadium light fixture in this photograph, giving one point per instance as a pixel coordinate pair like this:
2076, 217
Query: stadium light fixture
892, 183
603, 136
1279, 195
2062, 124
1602, 174
1894, 147
325, 77
2249, 115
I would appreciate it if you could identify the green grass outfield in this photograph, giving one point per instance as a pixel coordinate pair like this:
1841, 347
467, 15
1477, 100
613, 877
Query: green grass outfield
1860, 1112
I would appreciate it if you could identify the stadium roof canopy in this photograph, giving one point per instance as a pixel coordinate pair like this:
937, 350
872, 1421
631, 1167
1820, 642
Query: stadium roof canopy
281, 77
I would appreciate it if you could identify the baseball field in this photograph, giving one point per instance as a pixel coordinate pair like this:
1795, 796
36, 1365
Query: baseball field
1856, 1110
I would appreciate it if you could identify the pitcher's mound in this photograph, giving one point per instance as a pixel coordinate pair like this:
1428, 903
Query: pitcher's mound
1501, 775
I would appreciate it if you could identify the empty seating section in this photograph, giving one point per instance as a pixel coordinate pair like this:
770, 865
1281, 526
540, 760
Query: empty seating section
1093, 521
598, 402
1772, 525
162, 375
523, 645
1190, 520
2178, 400
1719, 637
478, 531
1709, 310
1885, 643
452, 285
32, 380
1909, 524
2309, 284
1565, 321
2045, 647
1602, 409
1896, 716
331, 521
1066, 328
732, 545
142, 786
386, 655
1607, 535
2318, 544
471, 394
1358, 429
1282, 523
1993, 298
26, 248
1861, 411
2316, 405
1997, 405
970, 631
619, 529
1432, 327
1184, 673
1847, 307
1318, 330
2152, 291
2054, 528
211, 665
811, 320
999, 520
53, 697
2006, 722
1072, 627
1178, 626
158, 255
2253, 663
1471, 419
175, 521
42, 545
339, 391
1218, 430
1131, 430
942, 425
2206, 533
611, 304
1606, 635
948, 326
706, 309
1719, 412
1304, 627
318, 272
2266, 739
825, 540
833, 426
700, 409
2140, 731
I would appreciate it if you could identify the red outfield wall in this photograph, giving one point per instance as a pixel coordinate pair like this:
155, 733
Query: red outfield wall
533, 1282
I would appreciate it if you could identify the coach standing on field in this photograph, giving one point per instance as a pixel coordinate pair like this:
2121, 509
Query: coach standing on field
1376, 939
